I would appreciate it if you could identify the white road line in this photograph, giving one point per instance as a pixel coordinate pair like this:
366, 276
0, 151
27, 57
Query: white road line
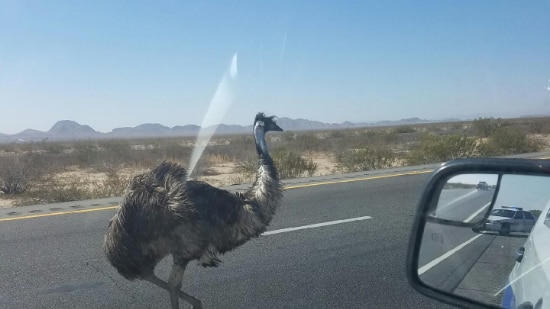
312, 226
457, 199
440, 259
470, 218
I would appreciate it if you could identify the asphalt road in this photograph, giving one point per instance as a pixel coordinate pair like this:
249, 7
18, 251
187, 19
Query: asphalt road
57, 261
489, 275
464, 205
466, 246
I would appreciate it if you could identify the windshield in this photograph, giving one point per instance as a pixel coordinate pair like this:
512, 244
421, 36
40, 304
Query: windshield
503, 213
249, 154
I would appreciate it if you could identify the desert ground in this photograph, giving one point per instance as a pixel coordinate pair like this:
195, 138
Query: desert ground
39, 172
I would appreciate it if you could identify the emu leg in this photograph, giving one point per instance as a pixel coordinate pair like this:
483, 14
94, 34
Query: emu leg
164, 285
174, 284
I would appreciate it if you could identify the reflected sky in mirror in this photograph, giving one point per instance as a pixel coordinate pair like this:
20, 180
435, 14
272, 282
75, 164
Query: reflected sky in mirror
528, 192
474, 179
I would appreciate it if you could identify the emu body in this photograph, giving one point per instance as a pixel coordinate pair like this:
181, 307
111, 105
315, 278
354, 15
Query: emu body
163, 213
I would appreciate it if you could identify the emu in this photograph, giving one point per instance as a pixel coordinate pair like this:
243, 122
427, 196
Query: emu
162, 213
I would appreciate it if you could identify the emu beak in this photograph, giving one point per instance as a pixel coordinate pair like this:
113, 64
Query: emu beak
277, 128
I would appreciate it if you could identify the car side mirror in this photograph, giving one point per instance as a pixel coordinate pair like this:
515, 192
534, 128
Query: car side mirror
474, 218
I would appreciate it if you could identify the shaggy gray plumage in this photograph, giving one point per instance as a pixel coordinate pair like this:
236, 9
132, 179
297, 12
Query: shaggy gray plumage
163, 213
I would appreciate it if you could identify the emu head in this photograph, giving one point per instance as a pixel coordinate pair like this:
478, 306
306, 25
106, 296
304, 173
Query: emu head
266, 123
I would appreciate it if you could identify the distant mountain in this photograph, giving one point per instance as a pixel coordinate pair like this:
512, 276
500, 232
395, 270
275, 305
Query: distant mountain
143, 130
30, 133
304, 124
125, 131
72, 130
405, 121
186, 130
232, 129
152, 128
61, 130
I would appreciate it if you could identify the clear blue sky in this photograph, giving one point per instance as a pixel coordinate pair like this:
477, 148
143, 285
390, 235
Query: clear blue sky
111, 64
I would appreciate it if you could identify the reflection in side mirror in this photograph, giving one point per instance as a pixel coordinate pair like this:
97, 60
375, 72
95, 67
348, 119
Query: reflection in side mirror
466, 197
481, 236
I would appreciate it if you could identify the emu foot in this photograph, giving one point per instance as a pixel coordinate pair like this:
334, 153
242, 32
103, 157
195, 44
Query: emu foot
209, 259
212, 262
197, 305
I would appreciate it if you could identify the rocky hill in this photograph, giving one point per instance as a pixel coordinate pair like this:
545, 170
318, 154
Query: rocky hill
72, 130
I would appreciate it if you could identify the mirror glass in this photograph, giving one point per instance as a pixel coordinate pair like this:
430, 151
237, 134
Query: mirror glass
503, 256
466, 197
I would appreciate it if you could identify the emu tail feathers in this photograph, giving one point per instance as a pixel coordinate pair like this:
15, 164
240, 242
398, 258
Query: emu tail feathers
154, 202
160, 190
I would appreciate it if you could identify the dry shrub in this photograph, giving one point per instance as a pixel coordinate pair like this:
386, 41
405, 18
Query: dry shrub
289, 165
240, 178
54, 189
218, 158
435, 148
17, 173
357, 160
113, 185
539, 125
485, 127
57, 190
404, 129
247, 168
508, 140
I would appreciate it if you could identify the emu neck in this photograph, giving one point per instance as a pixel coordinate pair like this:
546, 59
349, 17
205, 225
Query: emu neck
261, 201
266, 191
259, 137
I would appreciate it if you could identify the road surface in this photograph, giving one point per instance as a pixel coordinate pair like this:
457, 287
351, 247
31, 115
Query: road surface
57, 262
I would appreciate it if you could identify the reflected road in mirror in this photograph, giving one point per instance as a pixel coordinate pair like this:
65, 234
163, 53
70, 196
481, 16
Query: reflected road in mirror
466, 198
463, 205
474, 265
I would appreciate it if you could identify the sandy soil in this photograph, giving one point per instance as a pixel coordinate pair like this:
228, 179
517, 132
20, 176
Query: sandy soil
226, 174
6, 203
222, 174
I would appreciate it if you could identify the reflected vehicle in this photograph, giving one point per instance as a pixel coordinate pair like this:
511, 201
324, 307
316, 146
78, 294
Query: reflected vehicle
507, 219
451, 261
461, 198
529, 282
482, 185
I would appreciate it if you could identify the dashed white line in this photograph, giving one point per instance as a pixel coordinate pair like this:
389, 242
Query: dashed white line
457, 199
440, 259
470, 218
316, 225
